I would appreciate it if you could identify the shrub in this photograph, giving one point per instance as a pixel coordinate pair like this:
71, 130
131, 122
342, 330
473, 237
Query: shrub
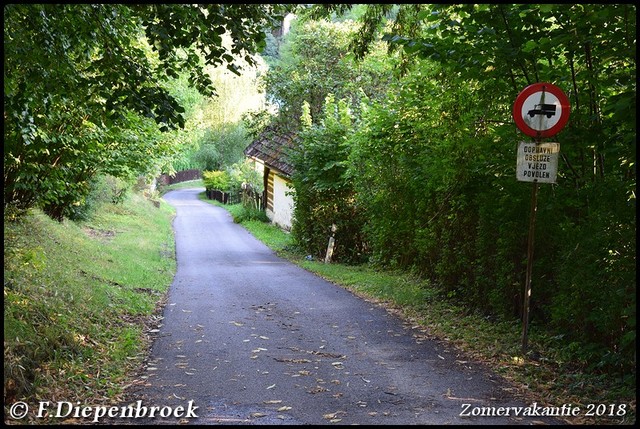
102, 189
216, 180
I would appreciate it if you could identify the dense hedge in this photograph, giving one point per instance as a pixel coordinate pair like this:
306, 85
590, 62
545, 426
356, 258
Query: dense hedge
417, 184
423, 177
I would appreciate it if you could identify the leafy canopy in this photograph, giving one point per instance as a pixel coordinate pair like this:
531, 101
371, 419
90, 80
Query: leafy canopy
77, 75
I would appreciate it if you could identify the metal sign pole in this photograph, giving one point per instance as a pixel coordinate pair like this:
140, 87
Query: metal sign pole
527, 286
530, 102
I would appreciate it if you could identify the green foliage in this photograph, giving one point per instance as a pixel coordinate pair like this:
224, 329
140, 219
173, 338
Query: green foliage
221, 147
243, 213
433, 168
104, 189
323, 193
85, 87
320, 48
217, 134
432, 165
216, 180
243, 175
595, 271
241, 182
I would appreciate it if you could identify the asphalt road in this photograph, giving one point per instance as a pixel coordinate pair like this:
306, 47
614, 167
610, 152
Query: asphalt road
249, 338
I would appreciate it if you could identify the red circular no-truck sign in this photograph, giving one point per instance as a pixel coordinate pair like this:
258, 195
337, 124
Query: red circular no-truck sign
541, 110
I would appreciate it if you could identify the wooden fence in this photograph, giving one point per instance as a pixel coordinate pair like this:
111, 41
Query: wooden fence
180, 176
245, 196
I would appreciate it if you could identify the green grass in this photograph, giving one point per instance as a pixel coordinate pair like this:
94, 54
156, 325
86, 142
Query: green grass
239, 213
78, 298
181, 185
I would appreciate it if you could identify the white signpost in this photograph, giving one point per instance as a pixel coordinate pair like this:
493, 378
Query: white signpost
537, 162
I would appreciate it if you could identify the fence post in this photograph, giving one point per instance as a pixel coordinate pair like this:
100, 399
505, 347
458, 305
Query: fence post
327, 258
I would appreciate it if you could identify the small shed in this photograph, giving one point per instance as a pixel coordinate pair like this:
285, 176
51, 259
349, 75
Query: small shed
269, 153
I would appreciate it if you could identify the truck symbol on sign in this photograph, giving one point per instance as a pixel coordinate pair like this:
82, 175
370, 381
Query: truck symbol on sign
543, 109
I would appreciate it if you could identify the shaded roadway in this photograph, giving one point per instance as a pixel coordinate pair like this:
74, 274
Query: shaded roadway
251, 338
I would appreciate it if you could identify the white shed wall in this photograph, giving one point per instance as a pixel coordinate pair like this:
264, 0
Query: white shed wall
282, 204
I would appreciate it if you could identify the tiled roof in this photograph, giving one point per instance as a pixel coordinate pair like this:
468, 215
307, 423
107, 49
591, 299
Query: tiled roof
271, 148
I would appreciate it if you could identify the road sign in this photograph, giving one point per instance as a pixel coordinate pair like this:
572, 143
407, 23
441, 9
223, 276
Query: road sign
537, 162
541, 110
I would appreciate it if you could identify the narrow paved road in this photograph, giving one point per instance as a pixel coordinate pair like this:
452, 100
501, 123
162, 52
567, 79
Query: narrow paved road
253, 339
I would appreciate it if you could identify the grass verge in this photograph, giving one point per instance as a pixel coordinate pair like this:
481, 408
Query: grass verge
163, 189
79, 299
545, 377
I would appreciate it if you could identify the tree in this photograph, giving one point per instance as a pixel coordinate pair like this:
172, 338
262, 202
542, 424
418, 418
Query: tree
75, 76
315, 61
464, 236
324, 194
315, 69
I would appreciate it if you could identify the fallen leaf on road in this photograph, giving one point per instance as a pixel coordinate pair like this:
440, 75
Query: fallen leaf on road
285, 408
292, 360
334, 417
